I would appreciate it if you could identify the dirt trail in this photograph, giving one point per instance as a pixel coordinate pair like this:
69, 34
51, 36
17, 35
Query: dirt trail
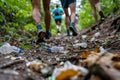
108, 37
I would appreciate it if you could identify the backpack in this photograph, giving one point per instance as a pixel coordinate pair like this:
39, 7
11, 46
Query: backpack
57, 12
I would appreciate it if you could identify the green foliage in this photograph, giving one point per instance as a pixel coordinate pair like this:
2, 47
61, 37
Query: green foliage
30, 27
16, 16
53, 27
29, 47
86, 17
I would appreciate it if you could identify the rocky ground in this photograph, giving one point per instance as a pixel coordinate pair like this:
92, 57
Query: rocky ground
16, 66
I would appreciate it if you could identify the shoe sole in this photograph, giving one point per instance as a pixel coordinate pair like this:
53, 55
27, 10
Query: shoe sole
40, 41
74, 31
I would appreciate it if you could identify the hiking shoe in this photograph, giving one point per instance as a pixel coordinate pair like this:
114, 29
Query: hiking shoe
74, 31
58, 31
41, 34
102, 16
47, 35
40, 41
98, 27
102, 19
68, 32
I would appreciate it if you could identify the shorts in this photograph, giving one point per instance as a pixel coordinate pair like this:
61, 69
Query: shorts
58, 21
66, 3
93, 2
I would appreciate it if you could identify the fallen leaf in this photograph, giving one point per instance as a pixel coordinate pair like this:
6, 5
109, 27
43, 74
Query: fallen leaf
67, 75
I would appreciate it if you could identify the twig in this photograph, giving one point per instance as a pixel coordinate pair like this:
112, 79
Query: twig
11, 63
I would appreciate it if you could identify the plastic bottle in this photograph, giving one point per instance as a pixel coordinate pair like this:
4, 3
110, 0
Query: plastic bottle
56, 49
83, 45
7, 48
17, 50
102, 50
43, 46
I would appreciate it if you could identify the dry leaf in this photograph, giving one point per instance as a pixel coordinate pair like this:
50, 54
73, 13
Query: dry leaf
69, 71
106, 59
97, 50
67, 75
36, 66
116, 57
117, 65
85, 54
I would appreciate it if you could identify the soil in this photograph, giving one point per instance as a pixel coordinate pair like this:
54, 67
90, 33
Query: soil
109, 38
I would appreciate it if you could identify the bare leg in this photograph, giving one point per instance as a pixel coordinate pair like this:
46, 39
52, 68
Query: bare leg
36, 11
72, 18
72, 8
67, 21
67, 18
98, 6
58, 25
92, 3
100, 10
47, 14
37, 18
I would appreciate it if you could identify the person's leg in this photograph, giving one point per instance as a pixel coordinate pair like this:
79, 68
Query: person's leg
67, 21
36, 11
76, 24
60, 21
46, 5
92, 4
72, 8
58, 25
98, 5
37, 17
72, 18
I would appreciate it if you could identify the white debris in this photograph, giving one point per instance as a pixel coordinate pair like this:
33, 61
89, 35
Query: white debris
83, 45
7, 48
84, 37
102, 50
11, 72
98, 34
68, 66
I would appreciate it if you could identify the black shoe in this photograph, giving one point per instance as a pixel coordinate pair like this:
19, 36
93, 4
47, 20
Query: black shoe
74, 31
41, 34
102, 16
102, 19
40, 41
58, 31
98, 26
47, 35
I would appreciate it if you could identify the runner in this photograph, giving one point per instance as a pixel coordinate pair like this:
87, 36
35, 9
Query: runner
37, 19
70, 20
57, 14
94, 4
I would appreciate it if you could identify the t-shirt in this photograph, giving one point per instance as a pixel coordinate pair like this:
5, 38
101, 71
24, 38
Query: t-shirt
57, 13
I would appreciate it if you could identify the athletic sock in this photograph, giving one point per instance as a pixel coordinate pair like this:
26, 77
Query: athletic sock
72, 24
68, 32
39, 27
